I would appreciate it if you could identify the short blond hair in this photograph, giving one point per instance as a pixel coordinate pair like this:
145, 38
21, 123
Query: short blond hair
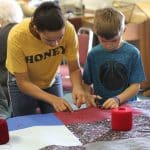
10, 11
108, 22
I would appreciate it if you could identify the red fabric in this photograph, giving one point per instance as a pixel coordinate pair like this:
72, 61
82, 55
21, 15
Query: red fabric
87, 115
83, 116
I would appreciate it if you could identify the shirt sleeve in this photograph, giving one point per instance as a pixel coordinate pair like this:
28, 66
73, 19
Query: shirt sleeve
71, 40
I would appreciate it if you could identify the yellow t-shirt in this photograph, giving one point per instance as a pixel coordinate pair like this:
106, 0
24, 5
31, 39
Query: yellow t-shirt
25, 53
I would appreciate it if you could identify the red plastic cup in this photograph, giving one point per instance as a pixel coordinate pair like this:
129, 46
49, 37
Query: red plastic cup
121, 119
4, 134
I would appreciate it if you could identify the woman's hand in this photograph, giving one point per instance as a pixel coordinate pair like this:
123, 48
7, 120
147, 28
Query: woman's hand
79, 96
60, 104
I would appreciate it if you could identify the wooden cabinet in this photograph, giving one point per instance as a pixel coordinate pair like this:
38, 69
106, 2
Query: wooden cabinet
144, 46
77, 22
140, 35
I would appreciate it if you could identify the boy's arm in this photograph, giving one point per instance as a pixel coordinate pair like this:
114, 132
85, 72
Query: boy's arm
78, 93
128, 93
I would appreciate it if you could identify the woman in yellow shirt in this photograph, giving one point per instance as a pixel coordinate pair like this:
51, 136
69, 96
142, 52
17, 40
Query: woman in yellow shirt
36, 48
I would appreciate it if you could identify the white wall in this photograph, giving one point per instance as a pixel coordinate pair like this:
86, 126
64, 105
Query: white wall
94, 4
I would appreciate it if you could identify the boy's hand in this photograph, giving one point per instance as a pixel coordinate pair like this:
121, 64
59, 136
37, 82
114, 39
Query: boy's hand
99, 102
92, 100
110, 104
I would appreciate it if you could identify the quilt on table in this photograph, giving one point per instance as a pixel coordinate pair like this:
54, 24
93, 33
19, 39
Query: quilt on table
86, 115
93, 125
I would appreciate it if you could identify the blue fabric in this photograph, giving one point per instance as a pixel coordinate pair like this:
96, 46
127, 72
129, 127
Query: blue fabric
21, 122
127, 54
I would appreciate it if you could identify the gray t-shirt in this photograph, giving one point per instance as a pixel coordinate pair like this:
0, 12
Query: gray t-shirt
4, 109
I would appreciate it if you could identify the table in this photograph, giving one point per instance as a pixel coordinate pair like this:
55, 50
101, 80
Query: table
84, 129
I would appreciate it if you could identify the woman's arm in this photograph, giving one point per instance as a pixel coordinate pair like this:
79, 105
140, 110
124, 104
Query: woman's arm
27, 87
78, 92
